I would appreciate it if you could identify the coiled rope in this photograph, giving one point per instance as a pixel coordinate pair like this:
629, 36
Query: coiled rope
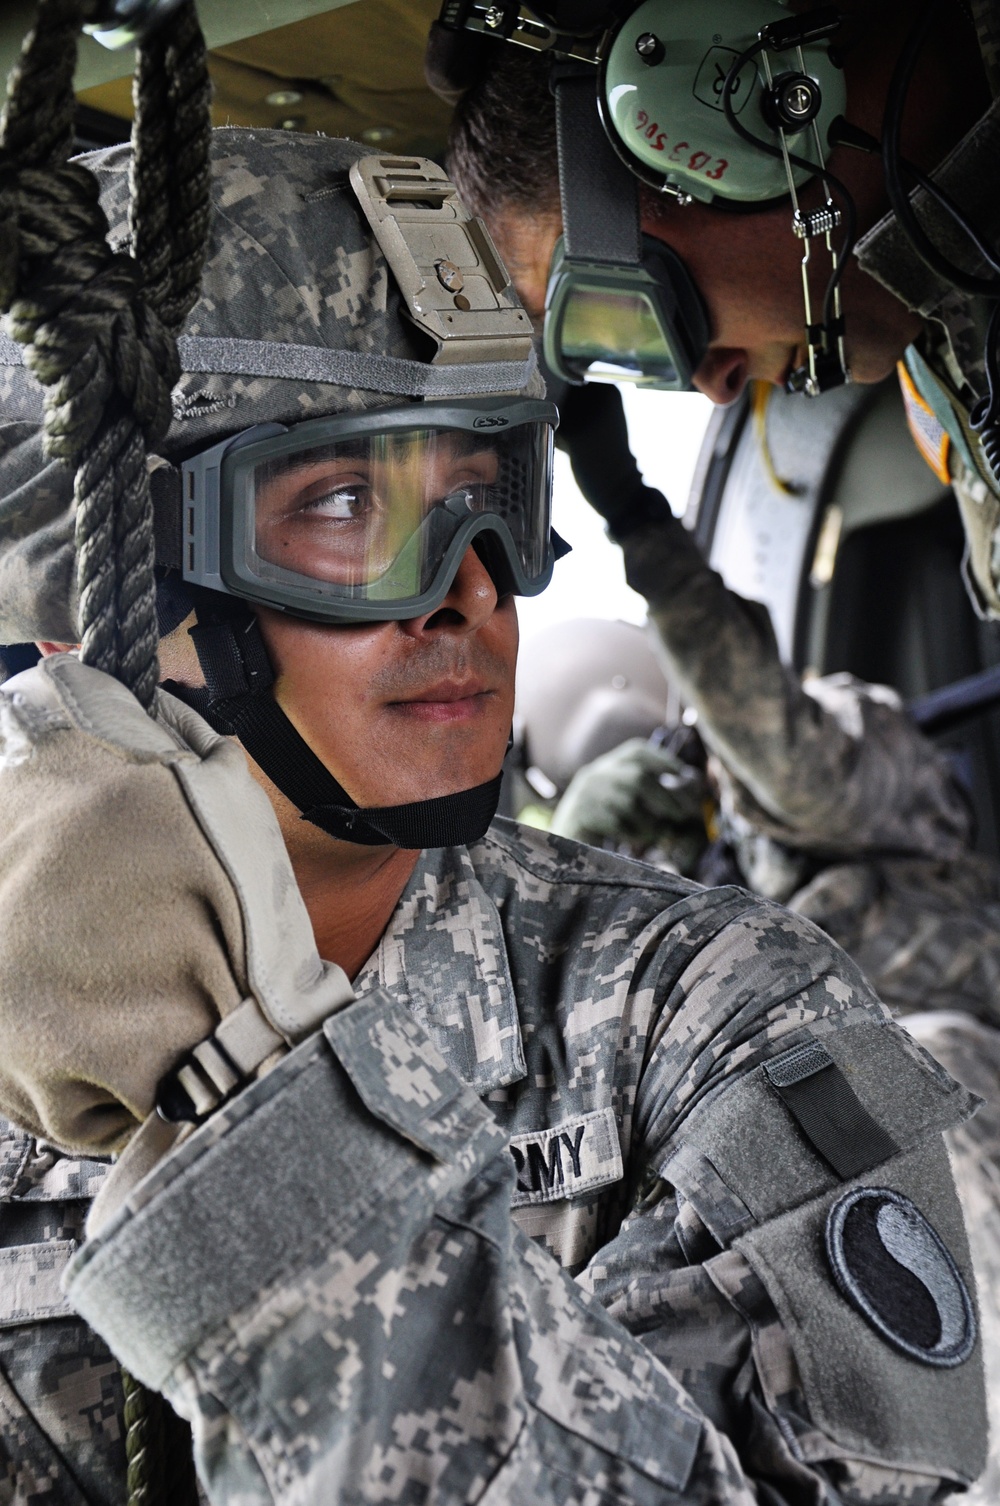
99, 327
158, 1450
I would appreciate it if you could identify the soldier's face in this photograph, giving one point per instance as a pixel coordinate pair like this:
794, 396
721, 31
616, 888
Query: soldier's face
747, 268
404, 711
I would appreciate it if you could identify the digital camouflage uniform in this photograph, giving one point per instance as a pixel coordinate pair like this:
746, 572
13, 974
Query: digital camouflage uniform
326, 1280
945, 365
831, 777
834, 770
61, 1432
350, 1313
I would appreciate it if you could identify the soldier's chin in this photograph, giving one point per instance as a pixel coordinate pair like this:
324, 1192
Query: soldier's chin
870, 360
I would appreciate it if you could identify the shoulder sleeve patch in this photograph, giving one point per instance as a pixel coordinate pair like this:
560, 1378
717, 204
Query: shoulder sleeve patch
881, 1363
567, 1160
929, 434
892, 1265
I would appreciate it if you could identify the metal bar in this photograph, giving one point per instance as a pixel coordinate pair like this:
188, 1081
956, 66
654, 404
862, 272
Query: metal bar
222, 20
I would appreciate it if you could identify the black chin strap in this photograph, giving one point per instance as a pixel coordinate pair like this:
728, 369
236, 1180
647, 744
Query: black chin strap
237, 701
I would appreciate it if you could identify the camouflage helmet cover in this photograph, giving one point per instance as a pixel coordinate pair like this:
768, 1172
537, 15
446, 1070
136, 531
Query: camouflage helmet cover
291, 261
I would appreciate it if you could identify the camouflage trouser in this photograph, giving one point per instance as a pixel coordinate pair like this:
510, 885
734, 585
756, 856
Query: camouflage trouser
971, 1052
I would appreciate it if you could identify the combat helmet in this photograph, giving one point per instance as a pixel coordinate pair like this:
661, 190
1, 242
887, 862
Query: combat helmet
352, 315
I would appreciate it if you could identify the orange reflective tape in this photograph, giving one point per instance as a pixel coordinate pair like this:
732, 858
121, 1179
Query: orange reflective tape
929, 434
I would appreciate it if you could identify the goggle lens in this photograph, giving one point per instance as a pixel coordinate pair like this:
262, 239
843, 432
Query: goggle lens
616, 336
383, 516
609, 321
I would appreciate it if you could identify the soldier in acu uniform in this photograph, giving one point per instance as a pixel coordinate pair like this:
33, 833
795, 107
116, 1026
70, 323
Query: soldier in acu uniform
590, 1184
918, 295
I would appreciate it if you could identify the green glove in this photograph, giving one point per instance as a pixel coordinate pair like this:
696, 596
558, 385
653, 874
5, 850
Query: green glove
637, 794
593, 432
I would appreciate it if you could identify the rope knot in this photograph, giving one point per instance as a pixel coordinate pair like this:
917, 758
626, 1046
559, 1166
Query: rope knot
98, 326
80, 310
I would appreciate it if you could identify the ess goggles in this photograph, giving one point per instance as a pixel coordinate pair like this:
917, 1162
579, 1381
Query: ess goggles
366, 517
611, 322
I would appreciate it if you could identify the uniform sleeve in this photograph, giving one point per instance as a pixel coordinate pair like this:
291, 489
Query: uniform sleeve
926, 933
793, 1211
61, 1440
326, 1280
834, 764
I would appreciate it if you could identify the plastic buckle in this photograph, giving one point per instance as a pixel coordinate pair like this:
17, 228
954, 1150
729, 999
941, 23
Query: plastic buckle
201, 1082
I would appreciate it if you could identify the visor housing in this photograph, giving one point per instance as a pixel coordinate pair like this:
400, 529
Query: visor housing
366, 517
613, 323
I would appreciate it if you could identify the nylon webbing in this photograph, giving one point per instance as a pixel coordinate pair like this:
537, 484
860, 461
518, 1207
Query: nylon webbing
949, 705
828, 1111
338, 368
272, 742
600, 196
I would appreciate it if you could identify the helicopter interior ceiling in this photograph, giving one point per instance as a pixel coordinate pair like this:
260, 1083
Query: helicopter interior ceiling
346, 69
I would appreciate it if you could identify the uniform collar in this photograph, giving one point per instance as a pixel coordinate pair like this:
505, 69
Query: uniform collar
968, 174
444, 955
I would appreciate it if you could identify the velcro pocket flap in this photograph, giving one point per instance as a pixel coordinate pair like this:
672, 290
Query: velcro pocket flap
868, 1395
761, 1147
402, 1078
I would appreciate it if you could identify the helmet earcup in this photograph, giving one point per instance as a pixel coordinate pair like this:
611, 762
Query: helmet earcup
661, 98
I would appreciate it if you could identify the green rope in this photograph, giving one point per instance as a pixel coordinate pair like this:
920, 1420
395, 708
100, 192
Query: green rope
99, 330
157, 1450
99, 327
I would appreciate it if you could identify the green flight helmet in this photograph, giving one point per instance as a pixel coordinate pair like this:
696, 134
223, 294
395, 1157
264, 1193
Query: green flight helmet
662, 89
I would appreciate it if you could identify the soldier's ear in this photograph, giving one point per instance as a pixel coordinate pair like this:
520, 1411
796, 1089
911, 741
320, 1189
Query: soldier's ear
47, 649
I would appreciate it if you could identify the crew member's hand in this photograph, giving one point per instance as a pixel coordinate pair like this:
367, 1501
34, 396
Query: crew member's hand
145, 897
593, 432
637, 794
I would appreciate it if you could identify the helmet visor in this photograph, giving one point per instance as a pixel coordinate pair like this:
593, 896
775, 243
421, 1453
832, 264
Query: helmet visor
369, 517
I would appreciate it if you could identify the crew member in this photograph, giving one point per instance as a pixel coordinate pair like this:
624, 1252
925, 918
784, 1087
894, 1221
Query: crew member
595, 1183
930, 308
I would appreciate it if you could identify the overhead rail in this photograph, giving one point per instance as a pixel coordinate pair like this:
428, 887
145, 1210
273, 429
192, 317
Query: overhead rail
222, 21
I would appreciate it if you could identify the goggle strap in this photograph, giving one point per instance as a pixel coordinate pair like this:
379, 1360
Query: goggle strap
600, 196
168, 515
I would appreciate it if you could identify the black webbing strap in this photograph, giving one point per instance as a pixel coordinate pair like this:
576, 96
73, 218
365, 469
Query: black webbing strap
600, 196
273, 743
950, 705
168, 519
828, 1111
236, 701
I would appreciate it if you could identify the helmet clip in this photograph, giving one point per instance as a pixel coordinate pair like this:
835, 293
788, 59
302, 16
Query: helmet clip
790, 95
453, 284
